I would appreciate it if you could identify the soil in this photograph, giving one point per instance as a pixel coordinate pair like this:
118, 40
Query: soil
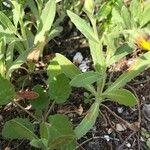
104, 134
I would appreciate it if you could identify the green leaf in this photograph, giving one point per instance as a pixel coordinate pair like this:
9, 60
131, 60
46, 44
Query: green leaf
39, 143
2, 56
7, 23
19, 128
83, 26
44, 131
97, 55
139, 66
148, 143
104, 11
61, 131
53, 70
7, 91
121, 52
122, 96
126, 17
88, 122
117, 18
70, 146
136, 10
85, 79
55, 32
17, 12
10, 54
34, 10
68, 68
89, 6
18, 62
59, 89
145, 17
46, 19
42, 101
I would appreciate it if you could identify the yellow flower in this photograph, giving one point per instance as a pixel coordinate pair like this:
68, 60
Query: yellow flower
143, 43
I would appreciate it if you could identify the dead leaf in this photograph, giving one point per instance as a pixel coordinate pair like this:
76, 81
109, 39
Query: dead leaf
34, 55
7, 148
79, 111
26, 95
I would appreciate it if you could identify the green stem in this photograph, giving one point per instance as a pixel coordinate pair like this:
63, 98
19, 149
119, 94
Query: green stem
91, 89
93, 21
23, 31
26, 111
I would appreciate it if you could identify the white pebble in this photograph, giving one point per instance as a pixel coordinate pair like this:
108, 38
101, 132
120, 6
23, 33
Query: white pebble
110, 130
78, 58
107, 138
84, 67
120, 110
128, 145
120, 127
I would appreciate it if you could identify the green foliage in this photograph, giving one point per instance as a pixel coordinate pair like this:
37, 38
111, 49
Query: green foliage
68, 68
123, 21
122, 96
59, 89
61, 132
83, 26
53, 135
19, 128
110, 32
88, 121
84, 79
41, 101
145, 134
7, 92
29, 36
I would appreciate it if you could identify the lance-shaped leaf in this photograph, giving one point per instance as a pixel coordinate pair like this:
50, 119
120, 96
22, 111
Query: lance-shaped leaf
121, 52
122, 96
18, 62
68, 68
83, 26
7, 91
46, 20
85, 79
19, 128
139, 66
145, 17
88, 122
97, 55
7, 23
18, 12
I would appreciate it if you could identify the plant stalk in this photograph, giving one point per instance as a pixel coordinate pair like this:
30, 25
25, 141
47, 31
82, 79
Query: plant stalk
26, 111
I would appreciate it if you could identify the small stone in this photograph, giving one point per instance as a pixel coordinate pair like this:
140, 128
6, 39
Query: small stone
84, 67
143, 98
128, 145
7, 148
110, 130
146, 111
107, 138
142, 140
120, 110
141, 85
120, 127
78, 58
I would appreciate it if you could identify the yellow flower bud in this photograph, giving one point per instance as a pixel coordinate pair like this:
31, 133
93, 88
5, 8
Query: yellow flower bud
143, 43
